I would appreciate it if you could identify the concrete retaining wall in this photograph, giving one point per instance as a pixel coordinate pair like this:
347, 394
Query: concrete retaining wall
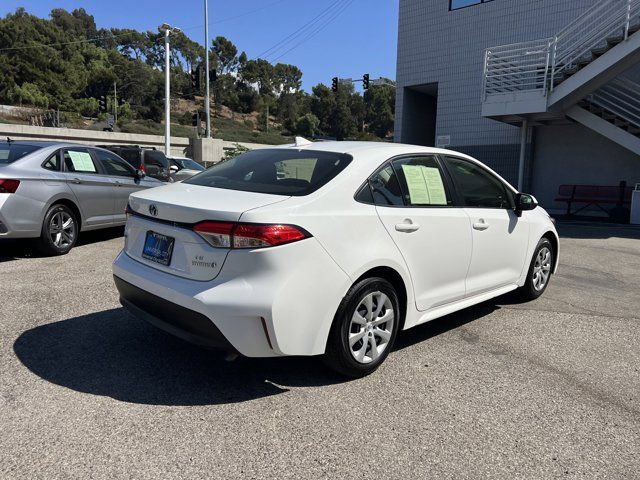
205, 151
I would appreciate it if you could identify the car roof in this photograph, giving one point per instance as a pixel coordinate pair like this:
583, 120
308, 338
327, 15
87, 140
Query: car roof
354, 147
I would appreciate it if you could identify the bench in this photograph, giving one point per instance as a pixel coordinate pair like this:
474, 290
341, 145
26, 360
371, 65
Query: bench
597, 195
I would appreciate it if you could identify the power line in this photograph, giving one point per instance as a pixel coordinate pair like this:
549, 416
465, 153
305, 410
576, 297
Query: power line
299, 31
107, 37
316, 31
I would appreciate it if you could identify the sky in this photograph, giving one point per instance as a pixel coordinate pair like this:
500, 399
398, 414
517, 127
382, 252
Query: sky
346, 38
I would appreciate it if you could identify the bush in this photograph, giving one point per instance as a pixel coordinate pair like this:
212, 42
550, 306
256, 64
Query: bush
87, 107
307, 125
28, 93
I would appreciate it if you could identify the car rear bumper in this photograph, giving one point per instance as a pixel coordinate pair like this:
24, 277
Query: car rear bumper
170, 317
20, 217
265, 302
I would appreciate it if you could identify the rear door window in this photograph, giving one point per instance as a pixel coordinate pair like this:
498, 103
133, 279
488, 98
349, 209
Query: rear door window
79, 160
155, 159
275, 171
422, 181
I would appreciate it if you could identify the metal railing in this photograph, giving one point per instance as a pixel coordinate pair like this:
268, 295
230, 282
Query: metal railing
538, 64
619, 97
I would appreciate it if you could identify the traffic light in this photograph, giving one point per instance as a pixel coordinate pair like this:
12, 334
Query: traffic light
195, 119
365, 81
195, 79
102, 103
334, 84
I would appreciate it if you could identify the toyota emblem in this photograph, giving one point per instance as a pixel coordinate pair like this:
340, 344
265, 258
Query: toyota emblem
153, 210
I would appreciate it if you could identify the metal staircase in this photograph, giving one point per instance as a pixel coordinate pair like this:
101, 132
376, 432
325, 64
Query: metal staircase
548, 75
618, 102
612, 111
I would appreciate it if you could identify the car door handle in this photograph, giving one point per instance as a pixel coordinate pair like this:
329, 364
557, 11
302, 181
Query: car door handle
407, 226
480, 225
76, 180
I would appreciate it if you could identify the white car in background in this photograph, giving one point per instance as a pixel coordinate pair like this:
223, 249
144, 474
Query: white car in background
329, 249
181, 168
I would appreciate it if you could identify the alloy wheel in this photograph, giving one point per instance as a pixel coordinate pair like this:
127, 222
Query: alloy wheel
62, 230
371, 327
542, 269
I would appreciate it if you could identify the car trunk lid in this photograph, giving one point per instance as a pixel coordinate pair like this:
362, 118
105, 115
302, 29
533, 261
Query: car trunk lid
171, 211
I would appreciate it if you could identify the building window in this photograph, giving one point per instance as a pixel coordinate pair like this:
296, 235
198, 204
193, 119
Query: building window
456, 4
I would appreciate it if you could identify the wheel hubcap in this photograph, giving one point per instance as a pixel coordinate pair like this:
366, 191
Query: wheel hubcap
371, 326
542, 268
62, 229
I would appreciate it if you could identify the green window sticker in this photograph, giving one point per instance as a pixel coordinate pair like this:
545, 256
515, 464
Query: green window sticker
82, 161
425, 185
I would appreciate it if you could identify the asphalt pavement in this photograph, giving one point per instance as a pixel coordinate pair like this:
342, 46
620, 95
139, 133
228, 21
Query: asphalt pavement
547, 389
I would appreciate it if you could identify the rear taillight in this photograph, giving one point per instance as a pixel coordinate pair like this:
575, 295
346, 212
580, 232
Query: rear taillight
9, 186
248, 235
217, 234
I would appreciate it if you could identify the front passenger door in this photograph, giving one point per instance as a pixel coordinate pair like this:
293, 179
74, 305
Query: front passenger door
125, 182
500, 237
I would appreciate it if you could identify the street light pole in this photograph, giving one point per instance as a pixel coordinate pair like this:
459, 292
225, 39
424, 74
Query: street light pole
167, 93
206, 63
168, 30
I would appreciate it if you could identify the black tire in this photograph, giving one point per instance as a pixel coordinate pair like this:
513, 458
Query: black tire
338, 354
46, 244
529, 291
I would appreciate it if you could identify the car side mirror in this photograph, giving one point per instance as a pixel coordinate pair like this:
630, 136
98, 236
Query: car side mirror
174, 169
140, 174
524, 202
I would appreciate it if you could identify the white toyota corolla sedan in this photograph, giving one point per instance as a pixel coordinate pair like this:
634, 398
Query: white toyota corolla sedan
329, 249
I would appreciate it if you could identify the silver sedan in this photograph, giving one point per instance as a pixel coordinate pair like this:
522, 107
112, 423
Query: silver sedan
51, 191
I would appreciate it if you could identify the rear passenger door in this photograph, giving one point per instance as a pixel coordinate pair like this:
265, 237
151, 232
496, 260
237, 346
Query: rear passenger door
415, 202
500, 237
91, 187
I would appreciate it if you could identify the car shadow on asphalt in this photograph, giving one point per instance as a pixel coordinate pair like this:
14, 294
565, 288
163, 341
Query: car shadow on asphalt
11, 249
111, 353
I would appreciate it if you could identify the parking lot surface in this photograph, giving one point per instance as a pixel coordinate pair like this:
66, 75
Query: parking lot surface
548, 389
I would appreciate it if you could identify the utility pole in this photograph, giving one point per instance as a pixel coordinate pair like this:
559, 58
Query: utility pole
168, 30
206, 63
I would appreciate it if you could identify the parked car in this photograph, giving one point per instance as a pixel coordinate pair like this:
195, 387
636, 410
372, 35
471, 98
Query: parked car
182, 168
329, 249
52, 191
152, 162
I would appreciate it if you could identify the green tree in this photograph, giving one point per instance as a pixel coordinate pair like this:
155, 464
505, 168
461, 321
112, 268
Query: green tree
307, 125
226, 54
380, 103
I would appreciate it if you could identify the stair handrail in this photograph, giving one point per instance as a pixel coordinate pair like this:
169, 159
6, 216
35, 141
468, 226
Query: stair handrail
589, 30
535, 64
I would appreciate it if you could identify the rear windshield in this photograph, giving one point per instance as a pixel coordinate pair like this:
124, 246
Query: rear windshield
274, 171
189, 164
154, 157
10, 152
130, 155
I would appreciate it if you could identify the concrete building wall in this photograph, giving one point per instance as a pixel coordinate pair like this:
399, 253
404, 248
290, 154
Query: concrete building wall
573, 154
438, 46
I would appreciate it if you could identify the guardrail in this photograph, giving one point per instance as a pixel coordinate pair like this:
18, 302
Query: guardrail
536, 65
